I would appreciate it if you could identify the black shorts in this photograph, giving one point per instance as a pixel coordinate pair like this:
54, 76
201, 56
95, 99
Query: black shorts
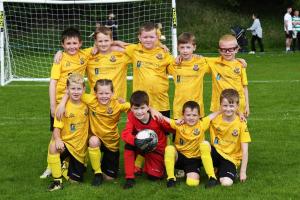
51, 122
110, 161
76, 168
289, 34
225, 167
188, 164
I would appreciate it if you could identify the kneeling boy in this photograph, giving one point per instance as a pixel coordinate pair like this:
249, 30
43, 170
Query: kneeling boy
70, 136
139, 119
229, 138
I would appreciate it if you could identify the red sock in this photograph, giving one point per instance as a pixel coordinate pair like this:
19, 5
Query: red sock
129, 158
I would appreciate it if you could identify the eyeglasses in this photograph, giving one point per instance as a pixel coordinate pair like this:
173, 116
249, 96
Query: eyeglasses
230, 50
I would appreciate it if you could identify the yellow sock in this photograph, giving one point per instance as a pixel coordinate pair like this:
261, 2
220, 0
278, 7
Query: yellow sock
54, 163
139, 161
207, 160
170, 161
192, 182
95, 157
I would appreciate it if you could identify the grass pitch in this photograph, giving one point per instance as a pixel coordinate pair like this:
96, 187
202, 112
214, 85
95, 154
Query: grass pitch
273, 170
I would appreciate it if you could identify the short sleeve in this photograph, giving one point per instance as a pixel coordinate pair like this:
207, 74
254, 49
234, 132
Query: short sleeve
245, 135
244, 76
87, 52
205, 123
55, 71
58, 124
130, 49
88, 99
173, 124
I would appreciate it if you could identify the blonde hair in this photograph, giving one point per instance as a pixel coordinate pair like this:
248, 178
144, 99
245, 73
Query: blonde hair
104, 30
228, 38
231, 95
75, 78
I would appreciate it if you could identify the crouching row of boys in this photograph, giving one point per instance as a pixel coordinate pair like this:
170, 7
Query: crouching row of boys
100, 113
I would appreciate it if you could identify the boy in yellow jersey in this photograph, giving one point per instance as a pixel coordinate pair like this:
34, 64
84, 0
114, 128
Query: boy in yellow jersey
229, 138
108, 64
70, 136
105, 113
150, 62
228, 72
74, 61
188, 75
190, 149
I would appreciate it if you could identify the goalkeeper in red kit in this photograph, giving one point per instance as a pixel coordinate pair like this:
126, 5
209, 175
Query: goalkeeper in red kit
137, 120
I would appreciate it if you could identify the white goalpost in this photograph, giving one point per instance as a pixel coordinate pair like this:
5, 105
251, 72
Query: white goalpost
30, 30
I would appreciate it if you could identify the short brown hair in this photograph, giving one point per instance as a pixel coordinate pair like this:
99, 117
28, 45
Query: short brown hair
139, 98
104, 82
192, 105
148, 26
231, 95
70, 33
186, 37
104, 30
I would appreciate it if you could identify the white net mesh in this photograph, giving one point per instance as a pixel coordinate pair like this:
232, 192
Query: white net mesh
33, 29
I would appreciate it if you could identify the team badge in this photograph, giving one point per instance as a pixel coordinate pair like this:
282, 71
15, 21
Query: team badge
72, 127
109, 110
159, 56
237, 70
68, 64
138, 63
112, 59
96, 71
216, 140
81, 61
218, 77
196, 131
235, 133
96, 59
178, 79
196, 68
141, 51
218, 129
71, 115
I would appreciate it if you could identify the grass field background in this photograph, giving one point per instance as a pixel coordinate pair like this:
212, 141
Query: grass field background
273, 170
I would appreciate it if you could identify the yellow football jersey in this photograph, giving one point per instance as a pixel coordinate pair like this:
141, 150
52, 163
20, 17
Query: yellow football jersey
69, 64
227, 137
226, 75
188, 79
188, 138
104, 120
150, 74
74, 129
111, 66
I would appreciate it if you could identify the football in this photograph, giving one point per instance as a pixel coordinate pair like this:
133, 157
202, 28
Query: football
146, 140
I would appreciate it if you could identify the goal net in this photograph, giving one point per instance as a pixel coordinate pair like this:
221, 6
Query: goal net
31, 29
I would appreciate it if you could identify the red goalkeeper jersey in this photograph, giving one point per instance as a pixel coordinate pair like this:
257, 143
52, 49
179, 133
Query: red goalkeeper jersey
133, 126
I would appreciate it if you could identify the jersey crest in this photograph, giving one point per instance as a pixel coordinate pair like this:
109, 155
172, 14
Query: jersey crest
81, 61
139, 63
96, 71
72, 127
235, 133
237, 70
112, 59
159, 56
196, 131
196, 68
109, 110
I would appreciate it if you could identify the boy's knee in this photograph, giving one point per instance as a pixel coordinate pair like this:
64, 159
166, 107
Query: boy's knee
205, 146
170, 149
94, 142
52, 148
225, 181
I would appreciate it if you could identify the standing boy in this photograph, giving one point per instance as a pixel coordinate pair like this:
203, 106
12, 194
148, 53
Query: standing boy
139, 119
228, 72
229, 138
74, 60
70, 136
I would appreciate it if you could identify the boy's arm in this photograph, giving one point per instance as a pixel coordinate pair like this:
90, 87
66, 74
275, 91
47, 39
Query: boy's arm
58, 56
127, 135
247, 109
59, 144
243, 170
61, 107
214, 115
52, 96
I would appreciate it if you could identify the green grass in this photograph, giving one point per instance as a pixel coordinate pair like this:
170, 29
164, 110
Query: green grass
273, 170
